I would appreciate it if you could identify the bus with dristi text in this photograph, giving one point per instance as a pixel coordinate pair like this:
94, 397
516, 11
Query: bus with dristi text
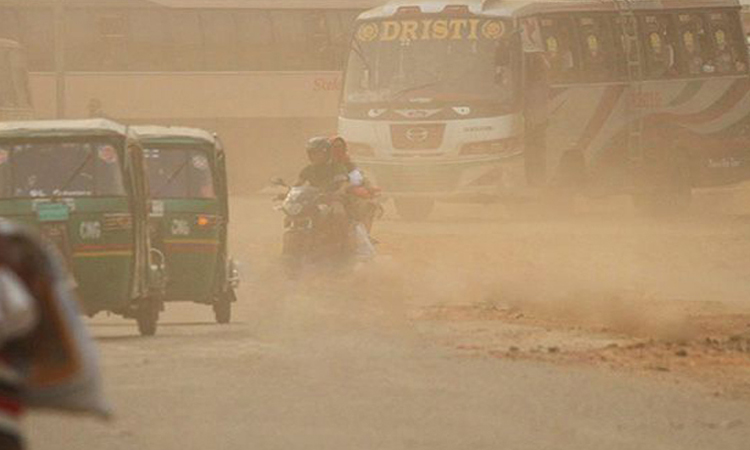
506, 99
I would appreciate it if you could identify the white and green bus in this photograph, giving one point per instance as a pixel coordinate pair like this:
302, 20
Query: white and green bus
475, 98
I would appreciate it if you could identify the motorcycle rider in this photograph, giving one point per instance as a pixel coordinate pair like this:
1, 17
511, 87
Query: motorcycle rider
361, 192
358, 197
322, 172
326, 174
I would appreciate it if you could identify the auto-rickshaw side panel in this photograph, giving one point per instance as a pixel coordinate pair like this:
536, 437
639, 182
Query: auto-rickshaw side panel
190, 234
101, 254
102, 234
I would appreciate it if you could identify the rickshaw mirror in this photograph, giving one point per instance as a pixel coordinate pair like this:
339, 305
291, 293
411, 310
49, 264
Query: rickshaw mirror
156, 208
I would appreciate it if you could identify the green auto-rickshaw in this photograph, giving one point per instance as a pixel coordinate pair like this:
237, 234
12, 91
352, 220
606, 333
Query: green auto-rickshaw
190, 215
82, 185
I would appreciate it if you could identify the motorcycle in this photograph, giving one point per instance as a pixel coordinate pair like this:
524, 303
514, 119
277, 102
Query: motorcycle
313, 230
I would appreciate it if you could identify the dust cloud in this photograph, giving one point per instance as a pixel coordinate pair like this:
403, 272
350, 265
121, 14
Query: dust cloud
603, 266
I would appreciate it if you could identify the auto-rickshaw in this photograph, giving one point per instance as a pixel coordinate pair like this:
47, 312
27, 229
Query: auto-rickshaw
186, 170
82, 185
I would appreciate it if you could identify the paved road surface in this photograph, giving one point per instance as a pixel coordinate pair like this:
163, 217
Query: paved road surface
338, 361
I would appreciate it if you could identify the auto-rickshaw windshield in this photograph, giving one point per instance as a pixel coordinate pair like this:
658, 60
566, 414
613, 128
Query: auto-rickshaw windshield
54, 169
175, 172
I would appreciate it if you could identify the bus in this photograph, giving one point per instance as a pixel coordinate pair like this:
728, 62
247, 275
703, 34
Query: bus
264, 74
456, 98
15, 100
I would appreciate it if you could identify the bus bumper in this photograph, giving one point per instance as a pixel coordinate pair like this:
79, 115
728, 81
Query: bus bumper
475, 179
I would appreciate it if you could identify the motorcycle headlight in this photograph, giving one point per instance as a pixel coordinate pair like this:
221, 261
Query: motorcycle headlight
293, 209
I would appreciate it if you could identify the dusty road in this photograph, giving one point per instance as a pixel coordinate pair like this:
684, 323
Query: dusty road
475, 330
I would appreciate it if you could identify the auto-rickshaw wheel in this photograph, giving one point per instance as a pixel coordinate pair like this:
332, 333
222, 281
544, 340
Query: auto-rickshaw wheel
223, 307
223, 312
147, 317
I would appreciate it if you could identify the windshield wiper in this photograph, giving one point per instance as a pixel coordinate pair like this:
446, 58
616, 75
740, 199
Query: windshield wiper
171, 178
402, 92
437, 82
74, 175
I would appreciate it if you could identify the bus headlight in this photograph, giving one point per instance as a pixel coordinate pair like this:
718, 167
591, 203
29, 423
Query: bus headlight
504, 147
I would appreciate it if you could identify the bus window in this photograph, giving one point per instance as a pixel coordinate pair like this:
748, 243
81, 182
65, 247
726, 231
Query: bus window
186, 44
599, 60
289, 33
340, 35
20, 76
8, 91
658, 46
112, 39
559, 42
9, 24
694, 45
82, 51
147, 40
220, 40
255, 39
301, 39
38, 38
727, 39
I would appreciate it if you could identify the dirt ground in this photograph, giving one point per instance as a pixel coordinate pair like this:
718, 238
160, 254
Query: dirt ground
480, 328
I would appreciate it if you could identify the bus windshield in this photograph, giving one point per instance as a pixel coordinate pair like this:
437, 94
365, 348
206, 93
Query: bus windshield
179, 173
69, 169
431, 60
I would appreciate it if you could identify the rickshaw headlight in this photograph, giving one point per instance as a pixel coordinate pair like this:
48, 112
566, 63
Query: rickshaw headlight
204, 221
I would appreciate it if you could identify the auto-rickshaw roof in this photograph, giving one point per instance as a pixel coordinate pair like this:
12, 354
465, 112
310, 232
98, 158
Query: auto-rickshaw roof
174, 135
63, 128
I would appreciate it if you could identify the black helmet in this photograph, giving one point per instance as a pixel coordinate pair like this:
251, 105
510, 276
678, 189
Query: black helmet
319, 144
